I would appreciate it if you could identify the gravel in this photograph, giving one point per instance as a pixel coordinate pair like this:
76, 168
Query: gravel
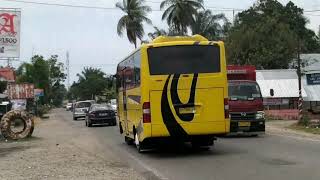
58, 151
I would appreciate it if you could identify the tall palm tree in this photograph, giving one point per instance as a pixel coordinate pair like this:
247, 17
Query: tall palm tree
132, 22
209, 25
180, 13
161, 32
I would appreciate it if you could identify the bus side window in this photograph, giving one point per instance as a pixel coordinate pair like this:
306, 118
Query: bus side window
137, 68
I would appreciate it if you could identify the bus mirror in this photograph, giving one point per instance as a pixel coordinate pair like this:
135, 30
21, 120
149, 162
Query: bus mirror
271, 92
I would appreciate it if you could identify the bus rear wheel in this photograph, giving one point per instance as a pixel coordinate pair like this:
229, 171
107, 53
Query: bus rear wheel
128, 140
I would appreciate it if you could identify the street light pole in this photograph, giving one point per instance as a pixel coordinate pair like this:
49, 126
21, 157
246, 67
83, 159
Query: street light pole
300, 102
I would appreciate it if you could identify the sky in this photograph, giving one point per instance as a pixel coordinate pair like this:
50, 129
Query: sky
90, 35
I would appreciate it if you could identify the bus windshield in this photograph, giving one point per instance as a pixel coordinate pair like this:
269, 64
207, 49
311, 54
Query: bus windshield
184, 59
244, 91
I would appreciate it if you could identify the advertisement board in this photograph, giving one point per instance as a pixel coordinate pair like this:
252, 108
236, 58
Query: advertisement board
10, 33
19, 104
38, 92
313, 79
20, 91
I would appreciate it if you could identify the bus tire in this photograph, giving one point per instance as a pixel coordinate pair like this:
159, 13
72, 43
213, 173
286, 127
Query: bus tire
120, 128
8, 118
128, 140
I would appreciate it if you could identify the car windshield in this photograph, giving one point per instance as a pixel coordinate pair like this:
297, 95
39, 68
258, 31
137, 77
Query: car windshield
83, 105
244, 91
100, 107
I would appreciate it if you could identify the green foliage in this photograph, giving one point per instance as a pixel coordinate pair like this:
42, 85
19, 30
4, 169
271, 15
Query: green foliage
45, 74
179, 14
268, 34
92, 82
3, 86
135, 14
305, 121
209, 25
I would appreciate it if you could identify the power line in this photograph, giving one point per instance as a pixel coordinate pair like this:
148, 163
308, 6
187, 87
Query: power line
107, 8
62, 5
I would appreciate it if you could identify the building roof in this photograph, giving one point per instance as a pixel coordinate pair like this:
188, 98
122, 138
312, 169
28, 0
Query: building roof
284, 82
7, 74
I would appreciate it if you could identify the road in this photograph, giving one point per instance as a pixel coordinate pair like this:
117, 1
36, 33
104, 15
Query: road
262, 158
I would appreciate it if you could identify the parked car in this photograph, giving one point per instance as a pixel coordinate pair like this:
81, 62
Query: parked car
113, 103
68, 106
80, 109
100, 114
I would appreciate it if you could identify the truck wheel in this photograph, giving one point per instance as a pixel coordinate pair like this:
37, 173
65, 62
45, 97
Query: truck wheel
16, 125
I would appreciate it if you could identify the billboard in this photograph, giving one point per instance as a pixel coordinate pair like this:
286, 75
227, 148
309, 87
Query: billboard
10, 33
313, 79
20, 91
38, 92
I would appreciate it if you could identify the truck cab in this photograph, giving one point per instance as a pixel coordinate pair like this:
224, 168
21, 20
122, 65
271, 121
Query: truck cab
245, 101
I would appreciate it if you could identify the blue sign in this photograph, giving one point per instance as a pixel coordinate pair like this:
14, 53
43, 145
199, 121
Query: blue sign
313, 79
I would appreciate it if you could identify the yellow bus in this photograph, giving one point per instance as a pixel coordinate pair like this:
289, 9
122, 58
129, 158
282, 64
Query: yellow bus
173, 88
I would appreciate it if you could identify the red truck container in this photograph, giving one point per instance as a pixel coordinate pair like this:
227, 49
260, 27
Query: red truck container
245, 101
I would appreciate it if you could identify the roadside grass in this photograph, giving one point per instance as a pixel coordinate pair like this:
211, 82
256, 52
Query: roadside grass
305, 129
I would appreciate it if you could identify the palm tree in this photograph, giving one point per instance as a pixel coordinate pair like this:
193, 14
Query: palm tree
180, 13
209, 25
135, 14
161, 32
157, 32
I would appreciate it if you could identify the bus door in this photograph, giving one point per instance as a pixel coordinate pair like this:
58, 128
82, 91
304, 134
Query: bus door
124, 100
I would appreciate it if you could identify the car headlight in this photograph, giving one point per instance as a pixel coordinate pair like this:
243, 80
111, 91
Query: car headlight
260, 115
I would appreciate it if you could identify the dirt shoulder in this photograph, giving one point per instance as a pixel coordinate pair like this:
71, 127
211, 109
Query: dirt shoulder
282, 128
58, 151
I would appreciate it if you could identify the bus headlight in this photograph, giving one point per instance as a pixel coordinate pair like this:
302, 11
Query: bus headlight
260, 115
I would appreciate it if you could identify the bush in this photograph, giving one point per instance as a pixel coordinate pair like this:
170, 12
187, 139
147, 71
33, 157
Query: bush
43, 109
305, 121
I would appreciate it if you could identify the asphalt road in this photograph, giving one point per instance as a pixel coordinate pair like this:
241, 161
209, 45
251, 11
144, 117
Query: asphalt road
270, 157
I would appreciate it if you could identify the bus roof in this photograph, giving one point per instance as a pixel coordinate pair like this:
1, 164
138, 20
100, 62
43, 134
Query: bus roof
162, 39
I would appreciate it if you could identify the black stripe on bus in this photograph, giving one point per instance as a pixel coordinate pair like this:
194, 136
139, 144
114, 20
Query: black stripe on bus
174, 128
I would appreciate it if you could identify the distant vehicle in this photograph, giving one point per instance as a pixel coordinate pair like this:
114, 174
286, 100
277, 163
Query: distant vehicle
245, 101
174, 89
69, 106
113, 103
100, 114
80, 109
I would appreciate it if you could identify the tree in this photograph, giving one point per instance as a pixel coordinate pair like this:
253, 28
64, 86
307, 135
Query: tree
44, 74
161, 32
179, 14
209, 25
267, 35
135, 15
92, 82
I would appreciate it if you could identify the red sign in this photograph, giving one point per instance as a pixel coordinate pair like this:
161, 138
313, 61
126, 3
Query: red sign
20, 91
7, 26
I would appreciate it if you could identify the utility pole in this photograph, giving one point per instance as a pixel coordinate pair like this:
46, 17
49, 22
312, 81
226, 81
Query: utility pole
300, 102
68, 70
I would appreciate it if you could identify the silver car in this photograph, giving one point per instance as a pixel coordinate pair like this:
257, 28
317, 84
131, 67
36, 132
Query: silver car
80, 109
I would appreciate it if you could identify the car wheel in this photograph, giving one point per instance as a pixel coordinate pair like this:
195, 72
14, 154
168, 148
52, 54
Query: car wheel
74, 118
89, 123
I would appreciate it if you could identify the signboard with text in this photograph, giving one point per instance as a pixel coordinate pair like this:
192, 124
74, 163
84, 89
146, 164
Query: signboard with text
313, 79
10, 33
38, 92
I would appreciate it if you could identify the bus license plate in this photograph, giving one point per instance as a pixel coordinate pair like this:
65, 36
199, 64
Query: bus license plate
187, 110
244, 124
